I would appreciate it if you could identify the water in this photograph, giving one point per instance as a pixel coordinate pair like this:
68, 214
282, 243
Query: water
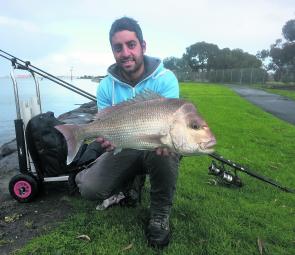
54, 98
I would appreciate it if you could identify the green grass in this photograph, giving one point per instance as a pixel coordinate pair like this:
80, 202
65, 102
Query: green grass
206, 218
283, 92
286, 93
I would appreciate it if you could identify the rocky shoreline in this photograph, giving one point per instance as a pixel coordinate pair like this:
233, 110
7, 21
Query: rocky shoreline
8, 151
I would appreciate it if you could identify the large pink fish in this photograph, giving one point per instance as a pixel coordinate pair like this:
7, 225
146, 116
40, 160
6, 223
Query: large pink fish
146, 122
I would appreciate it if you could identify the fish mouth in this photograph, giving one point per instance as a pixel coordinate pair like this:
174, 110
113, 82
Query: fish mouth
208, 146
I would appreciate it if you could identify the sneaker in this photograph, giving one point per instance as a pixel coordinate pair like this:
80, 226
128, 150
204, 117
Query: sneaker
133, 192
158, 231
111, 201
132, 198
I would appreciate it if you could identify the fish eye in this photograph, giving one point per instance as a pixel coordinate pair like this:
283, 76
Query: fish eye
195, 126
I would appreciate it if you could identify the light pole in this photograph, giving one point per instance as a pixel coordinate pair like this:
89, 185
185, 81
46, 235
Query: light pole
71, 70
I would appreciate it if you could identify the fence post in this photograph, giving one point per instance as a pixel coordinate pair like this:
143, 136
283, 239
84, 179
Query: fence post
241, 77
231, 75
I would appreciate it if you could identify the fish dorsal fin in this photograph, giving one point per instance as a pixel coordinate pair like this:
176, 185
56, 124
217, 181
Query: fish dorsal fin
146, 95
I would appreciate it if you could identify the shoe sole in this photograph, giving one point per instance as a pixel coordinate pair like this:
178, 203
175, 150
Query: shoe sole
160, 245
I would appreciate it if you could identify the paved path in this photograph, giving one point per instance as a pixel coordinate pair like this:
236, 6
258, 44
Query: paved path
277, 105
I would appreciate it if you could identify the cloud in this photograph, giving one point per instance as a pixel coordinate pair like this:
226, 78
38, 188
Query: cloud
82, 61
57, 47
57, 40
19, 24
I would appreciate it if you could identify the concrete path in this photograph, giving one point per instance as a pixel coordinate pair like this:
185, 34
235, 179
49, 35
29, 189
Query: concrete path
277, 105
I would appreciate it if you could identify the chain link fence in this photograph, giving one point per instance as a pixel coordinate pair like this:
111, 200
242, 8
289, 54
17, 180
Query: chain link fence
241, 76
287, 75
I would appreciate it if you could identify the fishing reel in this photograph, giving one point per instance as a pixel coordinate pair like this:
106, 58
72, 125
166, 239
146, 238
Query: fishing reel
226, 176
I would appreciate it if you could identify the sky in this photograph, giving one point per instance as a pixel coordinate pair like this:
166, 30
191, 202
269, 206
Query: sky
60, 36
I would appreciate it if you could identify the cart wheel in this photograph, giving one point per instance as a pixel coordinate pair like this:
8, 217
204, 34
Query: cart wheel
23, 188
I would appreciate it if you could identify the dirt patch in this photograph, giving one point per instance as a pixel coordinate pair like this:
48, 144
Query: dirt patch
20, 222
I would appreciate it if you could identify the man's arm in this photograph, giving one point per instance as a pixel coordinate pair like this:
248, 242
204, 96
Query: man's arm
104, 99
168, 85
103, 95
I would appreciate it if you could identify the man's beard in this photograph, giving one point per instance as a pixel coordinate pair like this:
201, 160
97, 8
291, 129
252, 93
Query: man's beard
138, 63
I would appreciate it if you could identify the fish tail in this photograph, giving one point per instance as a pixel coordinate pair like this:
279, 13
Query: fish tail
72, 135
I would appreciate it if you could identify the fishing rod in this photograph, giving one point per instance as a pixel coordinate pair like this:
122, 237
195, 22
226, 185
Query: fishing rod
26, 65
219, 170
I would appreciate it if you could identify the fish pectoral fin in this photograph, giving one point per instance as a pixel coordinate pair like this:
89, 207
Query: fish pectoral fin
158, 139
166, 140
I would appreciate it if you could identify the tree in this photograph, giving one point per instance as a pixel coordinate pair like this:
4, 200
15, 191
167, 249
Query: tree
264, 57
236, 58
282, 54
289, 30
206, 56
178, 66
224, 59
173, 63
283, 60
201, 56
247, 60
262, 54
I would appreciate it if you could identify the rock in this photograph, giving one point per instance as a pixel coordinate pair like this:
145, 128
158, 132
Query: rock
82, 115
76, 118
8, 169
9, 164
8, 148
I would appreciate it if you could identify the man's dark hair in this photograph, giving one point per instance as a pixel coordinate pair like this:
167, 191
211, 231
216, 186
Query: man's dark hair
126, 23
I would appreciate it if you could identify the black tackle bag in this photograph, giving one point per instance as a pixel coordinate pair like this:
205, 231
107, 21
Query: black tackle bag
47, 146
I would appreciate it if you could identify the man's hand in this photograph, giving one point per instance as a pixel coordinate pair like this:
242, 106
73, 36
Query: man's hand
107, 145
164, 152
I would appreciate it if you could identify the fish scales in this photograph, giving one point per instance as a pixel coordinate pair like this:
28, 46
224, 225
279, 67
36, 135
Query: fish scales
146, 122
135, 125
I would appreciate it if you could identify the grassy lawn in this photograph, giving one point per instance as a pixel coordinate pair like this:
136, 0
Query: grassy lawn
286, 93
283, 92
206, 218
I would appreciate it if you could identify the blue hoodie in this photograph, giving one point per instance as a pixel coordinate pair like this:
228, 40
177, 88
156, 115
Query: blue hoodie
114, 89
